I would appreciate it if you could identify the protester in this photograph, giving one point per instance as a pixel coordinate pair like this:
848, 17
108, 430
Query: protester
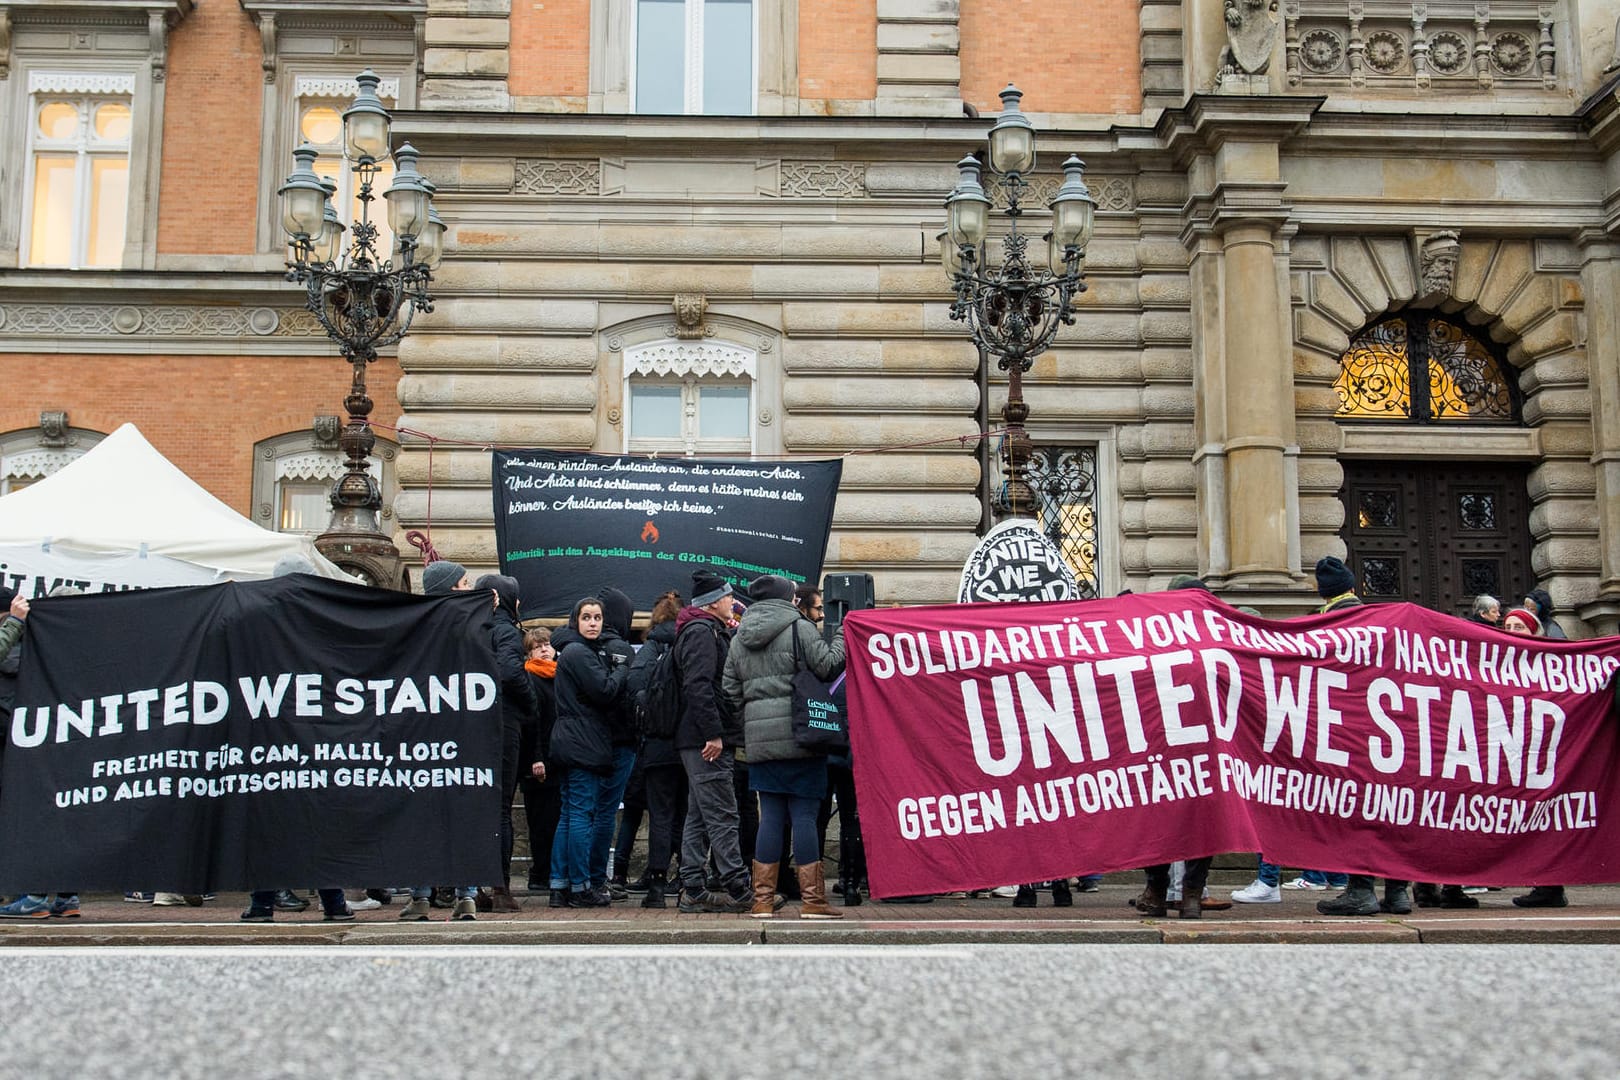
1336, 585
706, 737
1540, 602
617, 611
591, 667
518, 708
1522, 621
660, 765
441, 578
841, 778
541, 804
1487, 610
773, 642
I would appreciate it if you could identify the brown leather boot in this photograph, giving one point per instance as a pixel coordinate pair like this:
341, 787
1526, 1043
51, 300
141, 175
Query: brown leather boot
813, 890
765, 898
501, 900
1150, 902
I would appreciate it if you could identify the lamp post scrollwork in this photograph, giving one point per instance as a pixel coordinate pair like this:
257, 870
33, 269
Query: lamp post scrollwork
1013, 308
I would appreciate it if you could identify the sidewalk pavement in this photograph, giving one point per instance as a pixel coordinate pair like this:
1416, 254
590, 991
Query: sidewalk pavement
1593, 917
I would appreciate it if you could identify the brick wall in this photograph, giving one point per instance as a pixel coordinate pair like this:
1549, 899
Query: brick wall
550, 48
838, 49
211, 125
1073, 58
204, 413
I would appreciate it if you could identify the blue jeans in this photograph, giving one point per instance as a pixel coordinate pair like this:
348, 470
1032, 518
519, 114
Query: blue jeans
624, 761
1324, 877
1270, 873
571, 850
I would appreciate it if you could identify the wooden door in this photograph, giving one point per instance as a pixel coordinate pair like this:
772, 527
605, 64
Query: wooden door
1438, 534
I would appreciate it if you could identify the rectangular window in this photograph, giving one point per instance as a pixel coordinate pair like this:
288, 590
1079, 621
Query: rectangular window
694, 416
695, 57
79, 151
1064, 479
305, 507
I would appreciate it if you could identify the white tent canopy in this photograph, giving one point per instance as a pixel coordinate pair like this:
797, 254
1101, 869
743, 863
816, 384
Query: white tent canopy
123, 516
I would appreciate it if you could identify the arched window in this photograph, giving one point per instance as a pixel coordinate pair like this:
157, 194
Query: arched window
293, 476
1423, 367
29, 456
690, 397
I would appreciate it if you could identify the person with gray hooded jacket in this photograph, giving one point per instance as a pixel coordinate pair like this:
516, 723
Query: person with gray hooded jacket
766, 652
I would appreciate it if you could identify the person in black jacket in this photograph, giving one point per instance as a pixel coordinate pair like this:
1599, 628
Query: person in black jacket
590, 682
518, 707
541, 805
659, 764
707, 737
615, 644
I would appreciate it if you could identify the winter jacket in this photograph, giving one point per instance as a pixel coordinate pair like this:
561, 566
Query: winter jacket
589, 686
518, 703
701, 642
617, 611
11, 632
660, 639
538, 737
759, 672
1339, 603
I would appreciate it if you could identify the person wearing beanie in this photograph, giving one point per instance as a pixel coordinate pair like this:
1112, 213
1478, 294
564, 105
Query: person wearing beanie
292, 563
444, 577
617, 612
770, 587
707, 737
1335, 584
1540, 602
1187, 581
1522, 621
517, 706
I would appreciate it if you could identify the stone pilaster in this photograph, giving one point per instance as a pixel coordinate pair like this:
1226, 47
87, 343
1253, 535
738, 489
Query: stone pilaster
919, 72
1236, 227
465, 54
1600, 281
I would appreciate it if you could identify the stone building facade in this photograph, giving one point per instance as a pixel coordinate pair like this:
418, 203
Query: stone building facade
1352, 288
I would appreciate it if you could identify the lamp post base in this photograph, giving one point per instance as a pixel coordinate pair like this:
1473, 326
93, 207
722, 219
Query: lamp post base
368, 555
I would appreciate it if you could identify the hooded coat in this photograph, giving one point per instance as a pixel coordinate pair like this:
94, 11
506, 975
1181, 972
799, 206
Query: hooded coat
660, 639
617, 611
589, 686
1543, 609
759, 672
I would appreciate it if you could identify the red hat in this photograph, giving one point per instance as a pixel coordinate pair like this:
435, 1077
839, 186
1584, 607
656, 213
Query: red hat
1527, 617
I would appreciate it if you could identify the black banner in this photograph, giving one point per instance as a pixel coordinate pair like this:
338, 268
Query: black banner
287, 733
569, 524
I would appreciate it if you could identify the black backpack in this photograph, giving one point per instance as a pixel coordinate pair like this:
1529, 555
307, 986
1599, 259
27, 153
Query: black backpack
654, 690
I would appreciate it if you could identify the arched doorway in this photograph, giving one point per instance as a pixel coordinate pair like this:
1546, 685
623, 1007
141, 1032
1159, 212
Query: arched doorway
1432, 531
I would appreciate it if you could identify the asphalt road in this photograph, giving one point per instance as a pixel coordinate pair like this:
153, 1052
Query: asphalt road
1184, 1013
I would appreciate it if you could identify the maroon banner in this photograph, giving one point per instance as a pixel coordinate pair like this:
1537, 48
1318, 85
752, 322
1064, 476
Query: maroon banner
1003, 743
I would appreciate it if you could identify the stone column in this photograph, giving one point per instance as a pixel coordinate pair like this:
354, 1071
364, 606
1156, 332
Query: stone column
1236, 230
1600, 281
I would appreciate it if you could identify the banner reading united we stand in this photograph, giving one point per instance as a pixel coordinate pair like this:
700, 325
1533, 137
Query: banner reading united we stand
1004, 743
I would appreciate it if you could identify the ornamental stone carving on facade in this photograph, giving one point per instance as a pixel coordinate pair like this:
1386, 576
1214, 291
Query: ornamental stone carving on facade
1251, 36
689, 358
1329, 41
689, 309
823, 180
1437, 262
157, 321
557, 176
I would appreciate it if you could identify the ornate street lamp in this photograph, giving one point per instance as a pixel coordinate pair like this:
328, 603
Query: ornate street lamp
1013, 309
365, 299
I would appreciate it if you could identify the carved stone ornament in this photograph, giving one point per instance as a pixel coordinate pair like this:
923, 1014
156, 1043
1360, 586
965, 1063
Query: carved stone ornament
1437, 261
680, 359
53, 429
689, 309
1251, 35
326, 430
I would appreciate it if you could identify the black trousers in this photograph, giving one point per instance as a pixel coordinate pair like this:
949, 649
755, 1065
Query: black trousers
511, 744
634, 806
1368, 882
542, 809
1192, 882
665, 790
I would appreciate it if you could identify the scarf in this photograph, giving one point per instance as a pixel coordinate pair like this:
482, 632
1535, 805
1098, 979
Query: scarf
546, 669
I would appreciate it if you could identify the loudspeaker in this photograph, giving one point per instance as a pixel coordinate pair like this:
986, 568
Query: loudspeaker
841, 594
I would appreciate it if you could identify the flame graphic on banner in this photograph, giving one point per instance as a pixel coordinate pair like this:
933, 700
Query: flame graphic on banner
649, 533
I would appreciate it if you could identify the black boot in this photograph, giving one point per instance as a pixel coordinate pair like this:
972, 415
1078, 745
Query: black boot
1025, 897
1397, 898
1358, 898
655, 891
1426, 894
1543, 896
1061, 896
850, 891
1452, 896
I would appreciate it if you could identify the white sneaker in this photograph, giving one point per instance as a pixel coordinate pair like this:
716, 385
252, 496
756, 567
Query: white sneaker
365, 904
1005, 892
1257, 892
1301, 883
169, 899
